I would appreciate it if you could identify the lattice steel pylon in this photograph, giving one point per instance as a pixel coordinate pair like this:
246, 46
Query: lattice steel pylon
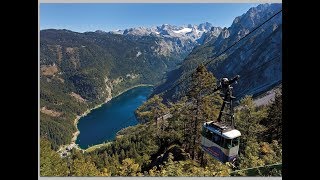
227, 95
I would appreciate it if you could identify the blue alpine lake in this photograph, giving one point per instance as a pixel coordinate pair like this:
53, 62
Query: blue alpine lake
102, 123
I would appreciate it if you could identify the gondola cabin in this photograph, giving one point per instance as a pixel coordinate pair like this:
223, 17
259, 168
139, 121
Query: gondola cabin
220, 141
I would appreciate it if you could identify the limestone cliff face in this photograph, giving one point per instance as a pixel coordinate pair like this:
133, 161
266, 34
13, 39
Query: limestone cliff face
257, 58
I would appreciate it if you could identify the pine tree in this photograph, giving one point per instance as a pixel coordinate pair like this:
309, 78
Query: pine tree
274, 119
153, 109
122, 154
114, 164
247, 120
203, 103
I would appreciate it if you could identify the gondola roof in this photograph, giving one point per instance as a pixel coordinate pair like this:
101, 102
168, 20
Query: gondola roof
222, 129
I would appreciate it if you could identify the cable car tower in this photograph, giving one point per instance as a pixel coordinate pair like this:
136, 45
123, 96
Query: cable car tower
220, 138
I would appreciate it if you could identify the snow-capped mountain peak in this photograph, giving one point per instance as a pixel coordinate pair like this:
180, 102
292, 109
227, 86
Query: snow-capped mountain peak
192, 32
183, 31
172, 40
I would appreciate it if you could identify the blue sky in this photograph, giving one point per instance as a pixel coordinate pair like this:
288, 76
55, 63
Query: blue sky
108, 17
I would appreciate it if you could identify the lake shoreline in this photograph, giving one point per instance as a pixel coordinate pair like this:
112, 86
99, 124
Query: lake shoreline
76, 121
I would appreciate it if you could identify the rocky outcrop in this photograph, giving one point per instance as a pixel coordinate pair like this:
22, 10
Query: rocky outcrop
257, 58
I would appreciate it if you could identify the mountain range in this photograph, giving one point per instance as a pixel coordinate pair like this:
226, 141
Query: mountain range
177, 41
81, 70
256, 58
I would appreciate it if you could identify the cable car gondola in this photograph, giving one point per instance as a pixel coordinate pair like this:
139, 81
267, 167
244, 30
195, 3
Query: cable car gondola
221, 139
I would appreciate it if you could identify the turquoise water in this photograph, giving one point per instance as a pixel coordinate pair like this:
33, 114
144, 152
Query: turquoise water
103, 123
